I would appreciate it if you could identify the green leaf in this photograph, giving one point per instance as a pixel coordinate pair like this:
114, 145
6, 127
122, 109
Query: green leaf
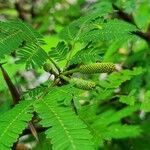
13, 122
107, 125
112, 50
115, 116
87, 55
67, 131
59, 52
129, 99
16, 34
146, 103
106, 31
29, 33
9, 42
102, 7
115, 131
94, 27
115, 79
73, 31
33, 55
118, 131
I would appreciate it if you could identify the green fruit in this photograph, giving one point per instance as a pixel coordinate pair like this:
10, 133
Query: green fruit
97, 68
83, 84
47, 67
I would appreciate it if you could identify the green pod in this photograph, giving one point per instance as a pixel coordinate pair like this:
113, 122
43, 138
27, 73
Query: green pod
47, 67
97, 68
83, 84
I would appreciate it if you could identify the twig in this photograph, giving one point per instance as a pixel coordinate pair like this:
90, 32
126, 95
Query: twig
14, 92
55, 64
70, 71
20, 10
124, 16
129, 18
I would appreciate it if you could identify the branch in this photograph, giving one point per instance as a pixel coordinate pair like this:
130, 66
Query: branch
130, 19
55, 64
13, 90
22, 12
145, 36
124, 16
32, 10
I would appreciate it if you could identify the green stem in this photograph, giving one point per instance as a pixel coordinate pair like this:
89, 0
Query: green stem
64, 78
54, 73
55, 64
70, 55
71, 71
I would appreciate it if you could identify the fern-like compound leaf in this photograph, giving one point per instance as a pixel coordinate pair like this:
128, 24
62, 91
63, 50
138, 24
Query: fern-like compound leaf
115, 79
10, 41
87, 55
33, 55
106, 31
59, 52
66, 130
93, 28
73, 31
16, 35
29, 34
108, 125
102, 7
13, 123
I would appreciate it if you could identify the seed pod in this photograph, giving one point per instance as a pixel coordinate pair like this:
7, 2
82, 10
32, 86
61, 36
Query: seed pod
97, 68
83, 84
47, 67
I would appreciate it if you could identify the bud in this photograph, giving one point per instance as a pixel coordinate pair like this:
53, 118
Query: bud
83, 84
47, 67
97, 68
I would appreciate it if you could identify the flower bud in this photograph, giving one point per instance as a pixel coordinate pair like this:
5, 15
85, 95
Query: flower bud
83, 84
97, 68
47, 67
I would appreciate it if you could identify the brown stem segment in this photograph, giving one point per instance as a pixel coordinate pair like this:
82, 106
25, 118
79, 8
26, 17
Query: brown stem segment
14, 92
16, 97
124, 16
